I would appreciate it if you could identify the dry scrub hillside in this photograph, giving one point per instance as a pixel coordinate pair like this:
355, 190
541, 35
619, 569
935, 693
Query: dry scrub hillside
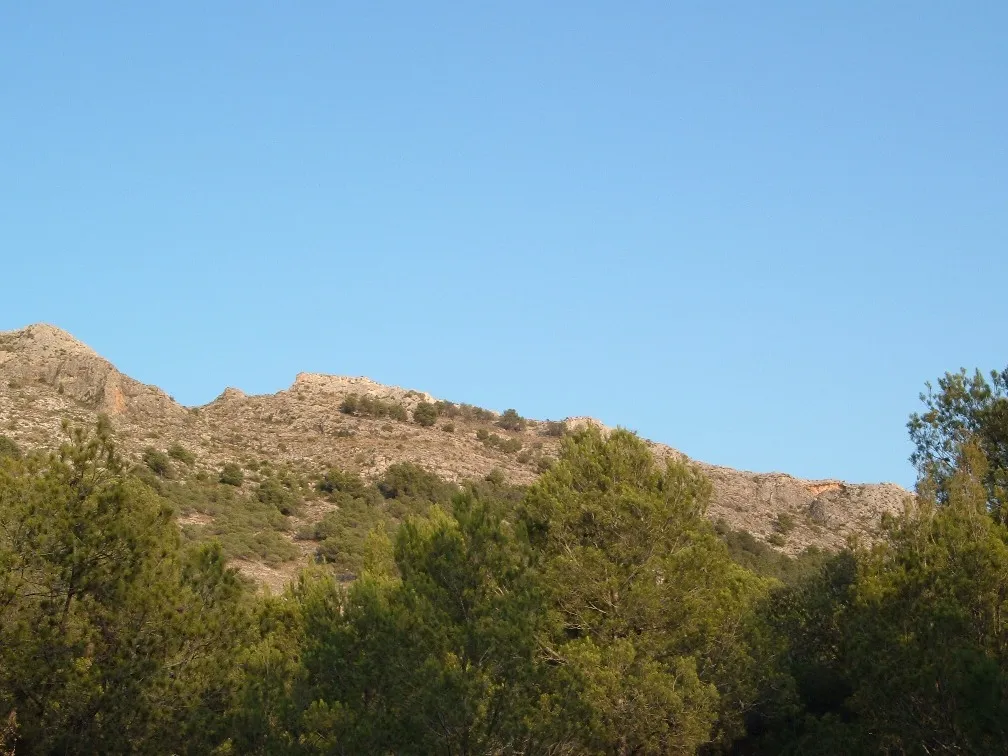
46, 376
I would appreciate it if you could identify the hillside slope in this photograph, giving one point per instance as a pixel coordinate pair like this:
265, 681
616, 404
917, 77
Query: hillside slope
46, 376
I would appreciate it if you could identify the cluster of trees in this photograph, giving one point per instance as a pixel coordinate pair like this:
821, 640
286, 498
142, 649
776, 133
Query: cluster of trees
427, 414
112, 638
598, 611
469, 412
511, 420
161, 463
370, 406
493, 441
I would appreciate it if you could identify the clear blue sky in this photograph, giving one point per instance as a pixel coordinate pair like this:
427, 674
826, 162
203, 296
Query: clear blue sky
749, 230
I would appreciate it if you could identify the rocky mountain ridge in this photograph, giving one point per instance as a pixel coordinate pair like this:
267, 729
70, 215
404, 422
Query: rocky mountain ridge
46, 376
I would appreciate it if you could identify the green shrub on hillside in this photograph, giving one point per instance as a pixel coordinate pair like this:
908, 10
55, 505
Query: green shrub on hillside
493, 441
368, 406
8, 448
246, 527
183, 455
231, 475
511, 421
755, 555
336, 481
406, 479
495, 477
342, 534
272, 492
447, 409
425, 414
555, 428
784, 523
158, 462
475, 414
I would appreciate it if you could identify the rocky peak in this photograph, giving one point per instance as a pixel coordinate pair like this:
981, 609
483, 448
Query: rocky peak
341, 385
231, 394
43, 354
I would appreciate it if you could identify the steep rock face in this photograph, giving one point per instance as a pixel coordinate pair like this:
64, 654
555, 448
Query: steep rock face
804, 513
47, 376
43, 354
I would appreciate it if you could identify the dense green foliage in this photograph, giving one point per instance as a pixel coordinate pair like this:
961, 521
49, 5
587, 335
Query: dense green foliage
112, 639
619, 541
362, 508
370, 406
158, 462
596, 612
446, 409
493, 441
425, 414
755, 555
555, 428
903, 648
511, 420
183, 455
474, 414
336, 481
964, 409
8, 448
231, 474
276, 493
247, 527
405, 480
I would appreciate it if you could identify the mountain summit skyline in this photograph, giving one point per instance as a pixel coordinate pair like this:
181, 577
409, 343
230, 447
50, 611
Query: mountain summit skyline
356, 424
